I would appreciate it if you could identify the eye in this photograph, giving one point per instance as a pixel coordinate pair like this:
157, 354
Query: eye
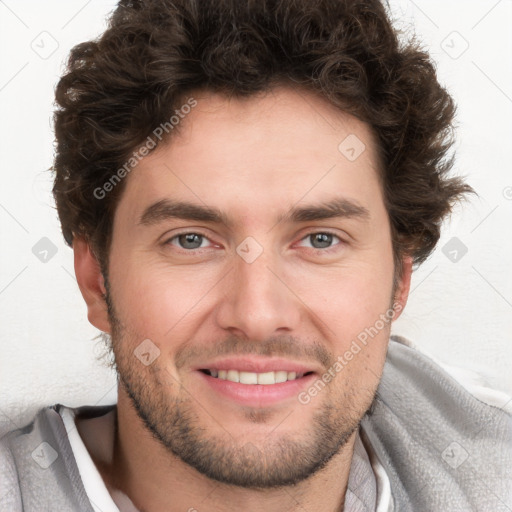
189, 241
322, 240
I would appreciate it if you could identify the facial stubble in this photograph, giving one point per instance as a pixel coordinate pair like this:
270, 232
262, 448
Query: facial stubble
173, 417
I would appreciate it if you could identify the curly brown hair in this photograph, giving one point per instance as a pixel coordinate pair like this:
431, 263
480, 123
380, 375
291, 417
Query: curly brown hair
118, 88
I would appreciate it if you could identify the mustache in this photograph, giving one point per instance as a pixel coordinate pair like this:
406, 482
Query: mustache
283, 346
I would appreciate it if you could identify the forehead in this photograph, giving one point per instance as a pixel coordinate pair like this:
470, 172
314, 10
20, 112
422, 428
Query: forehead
256, 156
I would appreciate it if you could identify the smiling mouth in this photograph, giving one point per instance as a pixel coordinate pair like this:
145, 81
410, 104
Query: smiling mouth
251, 378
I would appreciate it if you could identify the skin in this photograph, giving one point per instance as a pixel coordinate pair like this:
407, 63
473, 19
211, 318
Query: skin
253, 159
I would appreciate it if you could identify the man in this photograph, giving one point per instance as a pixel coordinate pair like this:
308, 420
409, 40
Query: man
246, 187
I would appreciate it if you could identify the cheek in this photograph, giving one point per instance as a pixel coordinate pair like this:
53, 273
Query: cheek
348, 299
358, 336
353, 308
154, 299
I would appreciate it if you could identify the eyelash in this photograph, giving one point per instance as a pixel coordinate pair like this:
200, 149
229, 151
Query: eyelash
192, 251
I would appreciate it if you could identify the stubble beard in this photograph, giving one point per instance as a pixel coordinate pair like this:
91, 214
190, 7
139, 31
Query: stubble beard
170, 414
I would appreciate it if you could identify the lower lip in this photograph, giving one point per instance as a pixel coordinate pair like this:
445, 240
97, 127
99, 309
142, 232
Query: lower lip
257, 395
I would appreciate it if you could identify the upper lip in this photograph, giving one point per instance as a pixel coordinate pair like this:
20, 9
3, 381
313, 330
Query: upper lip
257, 365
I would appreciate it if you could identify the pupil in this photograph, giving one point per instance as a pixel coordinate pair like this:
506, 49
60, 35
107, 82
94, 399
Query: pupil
188, 240
323, 238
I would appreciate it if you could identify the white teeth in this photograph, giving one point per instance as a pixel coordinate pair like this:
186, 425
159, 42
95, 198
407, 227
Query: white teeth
267, 378
233, 376
256, 378
248, 378
281, 376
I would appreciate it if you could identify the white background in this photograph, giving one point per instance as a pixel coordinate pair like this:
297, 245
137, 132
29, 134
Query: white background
460, 312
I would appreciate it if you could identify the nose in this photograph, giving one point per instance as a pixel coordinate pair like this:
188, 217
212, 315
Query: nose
258, 301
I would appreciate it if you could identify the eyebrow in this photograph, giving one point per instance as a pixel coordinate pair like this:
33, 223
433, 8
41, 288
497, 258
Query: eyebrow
336, 208
172, 209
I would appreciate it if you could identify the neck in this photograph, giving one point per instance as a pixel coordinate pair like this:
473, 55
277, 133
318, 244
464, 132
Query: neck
156, 480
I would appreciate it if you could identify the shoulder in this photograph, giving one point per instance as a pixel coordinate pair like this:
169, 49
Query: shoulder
10, 497
37, 467
414, 372
432, 433
16, 450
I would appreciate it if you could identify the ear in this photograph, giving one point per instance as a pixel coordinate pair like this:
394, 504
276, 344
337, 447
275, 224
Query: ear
403, 287
91, 284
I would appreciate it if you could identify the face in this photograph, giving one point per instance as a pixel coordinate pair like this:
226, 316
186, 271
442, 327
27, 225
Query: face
251, 284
